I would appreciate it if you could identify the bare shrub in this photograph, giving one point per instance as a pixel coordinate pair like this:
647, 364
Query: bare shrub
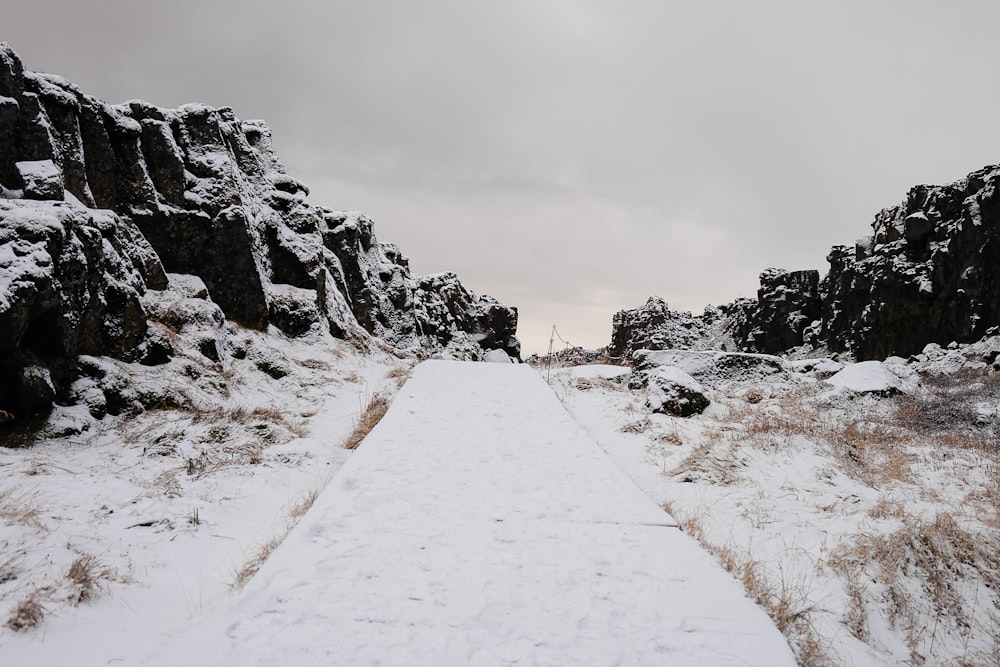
377, 406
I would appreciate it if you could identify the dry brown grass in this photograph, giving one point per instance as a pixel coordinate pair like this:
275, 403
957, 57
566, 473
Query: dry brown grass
985, 501
299, 509
29, 612
946, 415
637, 426
16, 509
715, 459
247, 417
377, 406
315, 364
20, 434
84, 575
873, 454
787, 605
870, 452
887, 508
922, 570
670, 438
253, 565
400, 374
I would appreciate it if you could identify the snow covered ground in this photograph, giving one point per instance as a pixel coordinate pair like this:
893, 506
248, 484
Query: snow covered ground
859, 505
477, 524
120, 529
861, 509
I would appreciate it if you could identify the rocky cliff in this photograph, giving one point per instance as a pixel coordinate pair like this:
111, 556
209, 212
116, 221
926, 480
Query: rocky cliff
928, 273
106, 210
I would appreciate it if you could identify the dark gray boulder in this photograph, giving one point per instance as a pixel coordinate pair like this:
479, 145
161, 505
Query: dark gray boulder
671, 391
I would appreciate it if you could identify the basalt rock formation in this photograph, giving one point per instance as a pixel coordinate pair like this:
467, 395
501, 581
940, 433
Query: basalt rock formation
929, 273
102, 207
653, 326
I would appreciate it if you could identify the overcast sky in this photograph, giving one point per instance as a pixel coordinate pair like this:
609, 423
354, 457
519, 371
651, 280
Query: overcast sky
571, 157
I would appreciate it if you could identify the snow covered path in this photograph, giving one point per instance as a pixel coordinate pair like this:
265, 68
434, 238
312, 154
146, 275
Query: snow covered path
478, 524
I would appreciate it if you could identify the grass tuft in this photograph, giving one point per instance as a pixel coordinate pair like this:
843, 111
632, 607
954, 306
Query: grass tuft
28, 613
84, 574
252, 566
370, 417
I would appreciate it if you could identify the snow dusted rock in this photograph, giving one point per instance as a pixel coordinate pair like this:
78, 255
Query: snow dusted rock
71, 282
497, 357
931, 275
98, 201
788, 303
875, 377
711, 368
820, 369
653, 326
672, 391
42, 180
928, 273
448, 312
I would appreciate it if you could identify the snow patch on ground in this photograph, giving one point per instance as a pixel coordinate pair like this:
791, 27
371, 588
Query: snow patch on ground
160, 511
868, 522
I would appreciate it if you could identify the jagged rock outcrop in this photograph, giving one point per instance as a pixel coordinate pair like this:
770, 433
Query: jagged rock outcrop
653, 326
100, 203
788, 304
929, 273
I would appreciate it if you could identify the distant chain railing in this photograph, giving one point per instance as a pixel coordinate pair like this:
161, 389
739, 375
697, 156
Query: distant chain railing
552, 355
